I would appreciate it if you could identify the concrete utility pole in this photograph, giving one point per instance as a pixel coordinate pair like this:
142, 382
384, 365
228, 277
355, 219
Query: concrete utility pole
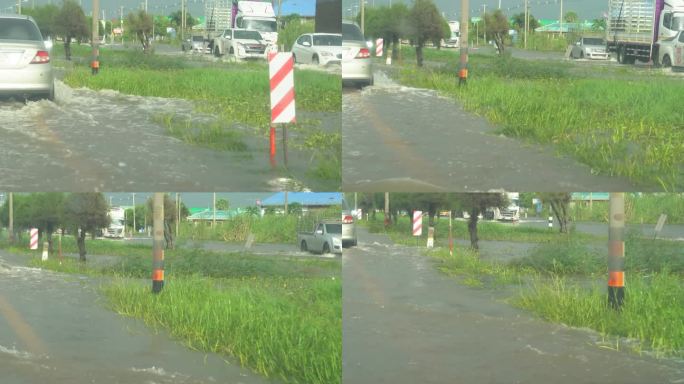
465, 24
121, 23
616, 251
134, 227
286, 202
182, 19
561, 18
11, 219
363, 6
484, 22
387, 208
158, 243
280, 7
526, 25
19, 7
95, 63
213, 220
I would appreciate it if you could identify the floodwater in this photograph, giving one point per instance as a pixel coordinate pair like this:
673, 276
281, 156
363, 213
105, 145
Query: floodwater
54, 328
406, 139
107, 141
404, 323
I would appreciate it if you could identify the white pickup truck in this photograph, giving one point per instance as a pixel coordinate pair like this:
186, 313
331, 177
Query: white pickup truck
240, 44
325, 238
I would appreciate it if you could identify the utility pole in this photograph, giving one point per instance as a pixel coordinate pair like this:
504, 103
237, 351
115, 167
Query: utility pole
561, 18
213, 220
134, 227
363, 6
11, 219
95, 63
157, 243
465, 25
286, 202
484, 22
178, 213
499, 4
121, 23
280, 7
387, 215
526, 25
616, 251
19, 7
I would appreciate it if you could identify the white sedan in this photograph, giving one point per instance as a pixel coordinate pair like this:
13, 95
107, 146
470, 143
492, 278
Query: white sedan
678, 53
318, 49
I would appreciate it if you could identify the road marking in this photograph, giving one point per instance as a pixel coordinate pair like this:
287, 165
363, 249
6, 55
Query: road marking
21, 328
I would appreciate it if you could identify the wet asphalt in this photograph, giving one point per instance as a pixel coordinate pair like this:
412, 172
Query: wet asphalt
404, 322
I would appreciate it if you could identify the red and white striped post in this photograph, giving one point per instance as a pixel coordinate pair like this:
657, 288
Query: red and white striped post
417, 223
378, 47
280, 68
33, 235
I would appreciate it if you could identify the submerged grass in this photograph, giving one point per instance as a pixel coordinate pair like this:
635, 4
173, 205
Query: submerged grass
286, 328
617, 126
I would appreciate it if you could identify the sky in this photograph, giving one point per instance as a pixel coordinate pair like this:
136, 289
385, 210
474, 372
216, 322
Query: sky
541, 9
193, 200
160, 7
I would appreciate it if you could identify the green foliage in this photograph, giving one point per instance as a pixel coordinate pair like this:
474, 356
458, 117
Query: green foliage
466, 263
140, 23
518, 21
70, 22
497, 27
571, 17
86, 211
564, 257
292, 30
44, 15
639, 209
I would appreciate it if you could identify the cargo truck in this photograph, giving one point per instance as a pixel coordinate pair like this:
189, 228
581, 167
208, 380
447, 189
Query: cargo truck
453, 40
644, 29
117, 227
223, 15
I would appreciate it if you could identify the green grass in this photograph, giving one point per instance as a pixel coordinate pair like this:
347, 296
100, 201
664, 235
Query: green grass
286, 328
618, 126
466, 264
652, 315
639, 209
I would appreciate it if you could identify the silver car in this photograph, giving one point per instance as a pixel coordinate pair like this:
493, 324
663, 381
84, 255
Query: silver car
356, 58
590, 48
318, 49
25, 68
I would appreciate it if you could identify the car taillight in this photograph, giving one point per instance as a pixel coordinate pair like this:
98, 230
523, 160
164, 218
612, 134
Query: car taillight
347, 219
363, 53
41, 57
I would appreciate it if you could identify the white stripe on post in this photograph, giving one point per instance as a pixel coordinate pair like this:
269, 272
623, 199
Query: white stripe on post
280, 68
34, 238
378, 47
417, 223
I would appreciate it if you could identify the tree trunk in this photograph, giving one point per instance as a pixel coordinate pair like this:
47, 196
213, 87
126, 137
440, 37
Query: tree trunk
559, 212
48, 234
419, 54
396, 52
67, 48
81, 245
168, 235
472, 229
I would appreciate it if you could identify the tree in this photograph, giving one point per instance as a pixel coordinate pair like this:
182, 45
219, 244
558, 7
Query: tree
177, 17
44, 15
497, 27
46, 214
85, 212
252, 211
71, 22
477, 203
559, 202
426, 26
140, 24
222, 204
170, 217
571, 17
294, 209
518, 22
598, 25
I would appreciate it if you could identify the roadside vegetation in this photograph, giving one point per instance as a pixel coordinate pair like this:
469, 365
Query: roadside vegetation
639, 209
233, 98
615, 125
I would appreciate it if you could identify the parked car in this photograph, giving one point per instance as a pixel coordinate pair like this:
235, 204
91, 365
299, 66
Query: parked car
25, 68
196, 44
590, 48
671, 52
241, 44
318, 49
357, 67
348, 226
326, 237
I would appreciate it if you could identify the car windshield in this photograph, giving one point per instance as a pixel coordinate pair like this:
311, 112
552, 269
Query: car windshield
260, 25
333, 228
19, 29
593, 41
327, 40
352, 32
198, 38
678, 23
247, 35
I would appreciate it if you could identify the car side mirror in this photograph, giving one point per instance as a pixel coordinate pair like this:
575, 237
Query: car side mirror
306, 44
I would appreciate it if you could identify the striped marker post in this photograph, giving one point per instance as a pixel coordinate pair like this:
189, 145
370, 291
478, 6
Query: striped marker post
616, 251
33, 235
280, 68
378, 47
431, 237
417, 223
550, 221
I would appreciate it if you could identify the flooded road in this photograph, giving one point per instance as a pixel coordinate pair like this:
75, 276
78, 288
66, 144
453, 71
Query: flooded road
405, 323
54, 328
406, 139
104, 140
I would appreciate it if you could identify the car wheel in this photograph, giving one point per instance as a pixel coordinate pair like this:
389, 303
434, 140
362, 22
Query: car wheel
294, 58
666, 61
314, 60
581, 55
51, 95
217, 52
303, 247
326, 248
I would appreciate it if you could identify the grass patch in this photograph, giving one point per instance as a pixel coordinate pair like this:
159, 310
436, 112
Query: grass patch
639, 209
215, 135
279, 327
652, 317
474, 272
617, 126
